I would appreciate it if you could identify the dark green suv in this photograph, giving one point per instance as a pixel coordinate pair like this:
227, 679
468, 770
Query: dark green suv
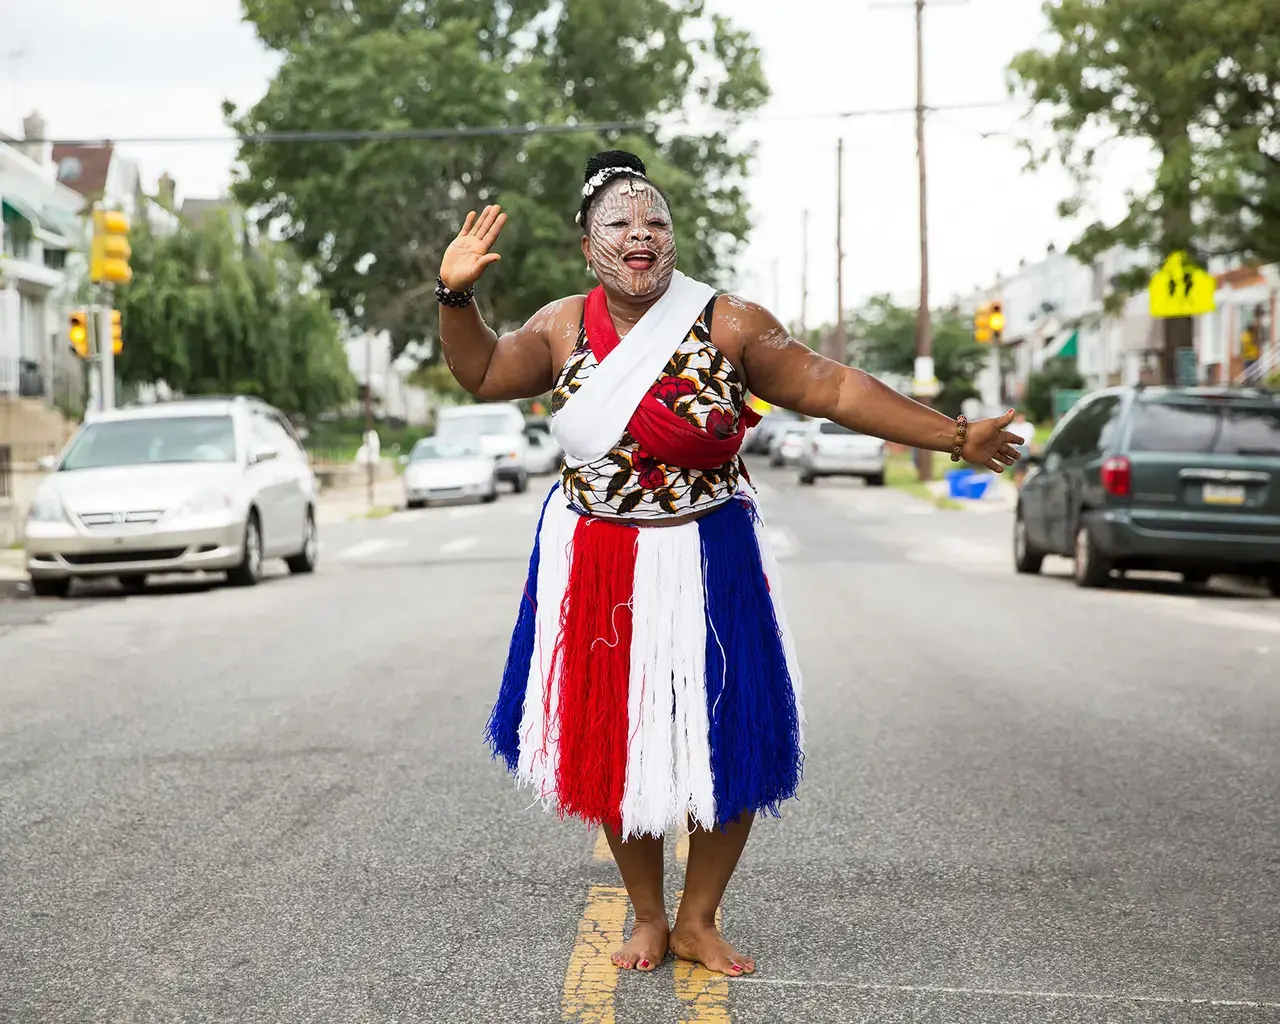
1179, 479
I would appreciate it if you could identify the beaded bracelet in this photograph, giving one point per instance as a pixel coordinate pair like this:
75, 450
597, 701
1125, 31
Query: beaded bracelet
962, 434
446, 296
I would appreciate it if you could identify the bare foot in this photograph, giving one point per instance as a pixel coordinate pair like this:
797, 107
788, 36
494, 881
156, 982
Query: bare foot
646, 948
703, 944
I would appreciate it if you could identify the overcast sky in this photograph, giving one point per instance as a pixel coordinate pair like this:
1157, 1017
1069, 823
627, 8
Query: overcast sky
175, 62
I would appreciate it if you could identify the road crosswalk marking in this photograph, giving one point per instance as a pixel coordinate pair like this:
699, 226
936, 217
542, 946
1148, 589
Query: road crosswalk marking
458, 545
369, 548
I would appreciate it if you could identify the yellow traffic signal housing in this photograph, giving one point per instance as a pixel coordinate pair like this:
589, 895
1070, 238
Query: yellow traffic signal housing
982, 324
78, 332
117, 333
995, 317
109, 253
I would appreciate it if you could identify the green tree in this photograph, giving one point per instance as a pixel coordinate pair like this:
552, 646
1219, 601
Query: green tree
1057, 375
885, 334
1196, 82
375, 216
207, 313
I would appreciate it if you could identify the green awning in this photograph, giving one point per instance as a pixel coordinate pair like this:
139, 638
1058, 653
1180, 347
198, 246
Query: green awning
16, 209
1071, 348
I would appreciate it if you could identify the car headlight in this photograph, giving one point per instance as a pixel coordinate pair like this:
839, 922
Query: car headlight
47, 508
206, 502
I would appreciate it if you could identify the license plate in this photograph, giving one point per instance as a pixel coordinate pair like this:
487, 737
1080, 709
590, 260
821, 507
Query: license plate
1223, 494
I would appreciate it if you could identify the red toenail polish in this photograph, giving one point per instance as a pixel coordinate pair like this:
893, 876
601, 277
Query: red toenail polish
644, 963
736, 967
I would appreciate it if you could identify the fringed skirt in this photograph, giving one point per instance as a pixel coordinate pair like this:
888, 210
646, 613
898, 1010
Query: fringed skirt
651, 675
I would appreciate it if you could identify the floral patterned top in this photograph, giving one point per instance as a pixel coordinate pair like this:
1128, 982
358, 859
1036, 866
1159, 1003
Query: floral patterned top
699, 384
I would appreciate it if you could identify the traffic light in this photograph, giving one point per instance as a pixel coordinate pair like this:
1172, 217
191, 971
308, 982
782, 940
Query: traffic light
78, 332
117, 333
995, 318
982, 324
110, 252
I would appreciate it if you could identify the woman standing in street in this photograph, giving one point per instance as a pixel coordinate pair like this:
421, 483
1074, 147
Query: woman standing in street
651, 679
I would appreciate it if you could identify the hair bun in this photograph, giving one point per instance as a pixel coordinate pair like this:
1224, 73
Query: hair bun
613, 158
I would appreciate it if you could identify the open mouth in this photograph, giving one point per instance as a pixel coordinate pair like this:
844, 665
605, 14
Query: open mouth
640, 259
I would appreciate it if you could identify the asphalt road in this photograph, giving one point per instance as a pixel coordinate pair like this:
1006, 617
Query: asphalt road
1023, 801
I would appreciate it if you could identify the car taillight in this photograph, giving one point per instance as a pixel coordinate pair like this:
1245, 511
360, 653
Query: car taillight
1117, 476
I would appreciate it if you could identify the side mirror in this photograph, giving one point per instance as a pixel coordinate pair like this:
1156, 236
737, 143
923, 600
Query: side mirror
47, 463
263, 454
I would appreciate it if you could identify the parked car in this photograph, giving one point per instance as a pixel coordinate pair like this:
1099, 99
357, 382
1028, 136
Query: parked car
545, 454
828, 449
787, 444
499, 430
1185, 480
214, 485
440, 470
759, 438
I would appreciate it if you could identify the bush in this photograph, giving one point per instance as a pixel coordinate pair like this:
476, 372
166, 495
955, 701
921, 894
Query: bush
1058, 375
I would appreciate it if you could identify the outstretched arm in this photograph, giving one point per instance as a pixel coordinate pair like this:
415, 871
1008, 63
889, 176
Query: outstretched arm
515, 365
785, 372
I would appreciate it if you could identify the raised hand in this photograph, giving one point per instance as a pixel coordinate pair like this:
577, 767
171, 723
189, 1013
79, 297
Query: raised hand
989, 444
468, 255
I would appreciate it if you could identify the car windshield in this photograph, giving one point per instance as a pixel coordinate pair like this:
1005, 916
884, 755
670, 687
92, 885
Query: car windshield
834, 428
478, 424
1205, 427
149, 440
443, 449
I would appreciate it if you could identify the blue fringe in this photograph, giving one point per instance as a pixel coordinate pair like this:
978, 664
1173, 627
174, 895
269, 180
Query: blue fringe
755, 734
502, 734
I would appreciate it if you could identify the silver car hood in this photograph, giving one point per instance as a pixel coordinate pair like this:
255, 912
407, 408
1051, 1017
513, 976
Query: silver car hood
152, 487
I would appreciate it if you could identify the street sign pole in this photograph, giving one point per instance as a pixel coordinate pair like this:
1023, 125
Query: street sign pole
106, 351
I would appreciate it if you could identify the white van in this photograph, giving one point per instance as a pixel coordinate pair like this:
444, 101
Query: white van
499, 427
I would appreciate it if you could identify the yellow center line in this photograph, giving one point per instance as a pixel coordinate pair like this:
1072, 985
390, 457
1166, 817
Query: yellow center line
703, 994
591, 979
601, 852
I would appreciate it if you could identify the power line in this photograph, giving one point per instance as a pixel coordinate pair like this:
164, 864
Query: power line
486, 131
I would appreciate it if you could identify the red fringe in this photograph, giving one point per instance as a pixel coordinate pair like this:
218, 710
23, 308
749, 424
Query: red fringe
594, 659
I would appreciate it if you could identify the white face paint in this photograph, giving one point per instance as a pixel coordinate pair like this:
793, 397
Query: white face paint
631, 242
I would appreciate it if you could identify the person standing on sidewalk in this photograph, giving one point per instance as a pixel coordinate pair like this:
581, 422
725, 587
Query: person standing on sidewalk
651, 679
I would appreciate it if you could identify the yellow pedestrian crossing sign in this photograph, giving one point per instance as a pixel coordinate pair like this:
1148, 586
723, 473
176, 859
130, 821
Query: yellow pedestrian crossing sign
1180, 288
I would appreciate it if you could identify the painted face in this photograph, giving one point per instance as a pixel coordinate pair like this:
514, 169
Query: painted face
631, 242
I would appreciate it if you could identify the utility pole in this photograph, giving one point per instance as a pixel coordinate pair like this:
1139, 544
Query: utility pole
925, 380
804, 277
839, 348
368, 415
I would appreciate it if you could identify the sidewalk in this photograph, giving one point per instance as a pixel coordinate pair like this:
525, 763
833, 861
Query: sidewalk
340, 505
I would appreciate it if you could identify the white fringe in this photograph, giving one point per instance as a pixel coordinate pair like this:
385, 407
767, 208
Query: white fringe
668, 746
538, 730
774, 575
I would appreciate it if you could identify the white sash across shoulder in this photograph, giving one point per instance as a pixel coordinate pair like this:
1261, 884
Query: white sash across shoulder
590, 423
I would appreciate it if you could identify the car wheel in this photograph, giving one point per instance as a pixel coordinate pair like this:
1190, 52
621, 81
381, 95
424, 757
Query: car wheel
875, 480
1092, 569
51, 587
521, 483
306, 559
133, 583
491, 497
807, 479
1195, 579
1273, 584
1025, 558
249, 571
413, 504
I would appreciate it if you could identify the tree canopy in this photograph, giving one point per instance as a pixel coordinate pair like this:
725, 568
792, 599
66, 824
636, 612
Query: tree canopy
208, 313
1196, 80
885, 333
375, 216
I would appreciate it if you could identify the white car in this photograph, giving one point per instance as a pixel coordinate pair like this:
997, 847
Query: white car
545, 455
828, 449
214, 485
498, 429
787, 444
439, 470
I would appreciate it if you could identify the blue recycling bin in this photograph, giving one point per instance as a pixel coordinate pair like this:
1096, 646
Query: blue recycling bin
967, 484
